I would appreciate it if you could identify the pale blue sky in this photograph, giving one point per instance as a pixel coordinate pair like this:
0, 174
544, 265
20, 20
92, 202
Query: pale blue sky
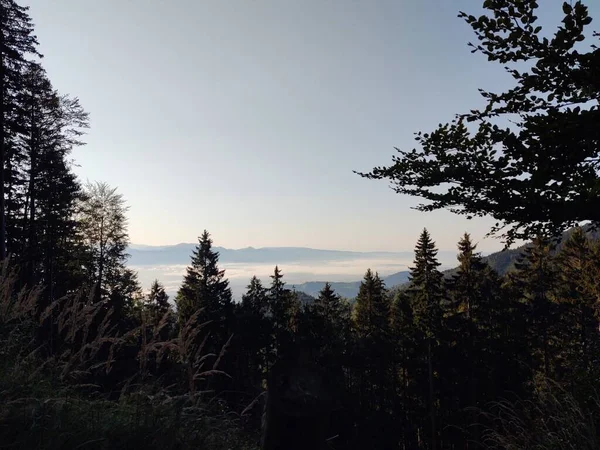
247, 117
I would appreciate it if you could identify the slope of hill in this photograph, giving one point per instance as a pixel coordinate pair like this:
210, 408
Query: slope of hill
502, 262
349, 289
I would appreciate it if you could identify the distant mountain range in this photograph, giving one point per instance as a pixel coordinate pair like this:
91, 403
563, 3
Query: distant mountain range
300, 265
349, 289
142, 255
502, 262
158, 261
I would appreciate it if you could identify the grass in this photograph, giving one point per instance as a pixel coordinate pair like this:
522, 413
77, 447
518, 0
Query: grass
50, 399
554, 419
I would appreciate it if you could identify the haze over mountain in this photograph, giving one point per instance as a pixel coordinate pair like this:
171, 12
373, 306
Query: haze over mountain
306, 269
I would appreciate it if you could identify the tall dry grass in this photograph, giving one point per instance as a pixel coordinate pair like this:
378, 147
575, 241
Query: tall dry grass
48, 396
552, 420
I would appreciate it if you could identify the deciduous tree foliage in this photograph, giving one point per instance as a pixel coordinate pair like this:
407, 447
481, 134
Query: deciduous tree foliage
537, 174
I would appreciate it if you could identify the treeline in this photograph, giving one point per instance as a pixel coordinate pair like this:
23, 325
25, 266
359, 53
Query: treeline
423, 369
88, 360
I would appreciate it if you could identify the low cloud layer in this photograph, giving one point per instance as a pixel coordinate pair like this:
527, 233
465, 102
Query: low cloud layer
239, 274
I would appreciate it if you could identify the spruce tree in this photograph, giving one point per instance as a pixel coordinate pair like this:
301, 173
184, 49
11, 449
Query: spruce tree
404, 342
158, 299
426, 293
373, 346
426, 289
327, 326
253, 337
372, 308
284, 310
159, 311
578, 318
534, 284
470, 333
206, 289
17, 44
51, 127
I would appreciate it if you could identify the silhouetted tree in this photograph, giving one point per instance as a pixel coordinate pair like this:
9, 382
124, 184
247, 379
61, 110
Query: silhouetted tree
104, 230
373, 381
17, 43
327, 327
206, 289
538, 174
284, 309
253, 343
426, 293
534, 283
578, 276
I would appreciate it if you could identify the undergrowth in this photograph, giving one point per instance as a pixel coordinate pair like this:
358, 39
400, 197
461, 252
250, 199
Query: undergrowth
53, 397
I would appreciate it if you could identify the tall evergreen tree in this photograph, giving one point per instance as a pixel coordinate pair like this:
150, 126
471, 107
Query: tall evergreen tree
17, 43
253, 336
373, 381
578, 304
51, 127
404, 342
284, 309
372, 308
158, 299
426, 293
206, 289
327, 326
471, 339
534, 284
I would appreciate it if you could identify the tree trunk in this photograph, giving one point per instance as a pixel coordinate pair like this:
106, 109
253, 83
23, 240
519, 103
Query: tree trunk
2, 153
431, 397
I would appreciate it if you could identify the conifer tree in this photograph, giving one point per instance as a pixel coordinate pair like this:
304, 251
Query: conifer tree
253, 336
404, 342
579, 318
534, 283
471, 336
372, 308
373, 345
206, 289
284, 310
17, 44
160, 311
426, 293
328, 326
45, 211
158, 299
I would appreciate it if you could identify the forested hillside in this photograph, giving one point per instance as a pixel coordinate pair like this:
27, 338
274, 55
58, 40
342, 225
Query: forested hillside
484, 357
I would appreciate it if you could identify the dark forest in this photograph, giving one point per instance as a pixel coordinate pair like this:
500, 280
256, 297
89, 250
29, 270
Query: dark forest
490, 355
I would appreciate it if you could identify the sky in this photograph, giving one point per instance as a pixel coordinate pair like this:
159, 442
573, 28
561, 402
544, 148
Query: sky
247, 117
